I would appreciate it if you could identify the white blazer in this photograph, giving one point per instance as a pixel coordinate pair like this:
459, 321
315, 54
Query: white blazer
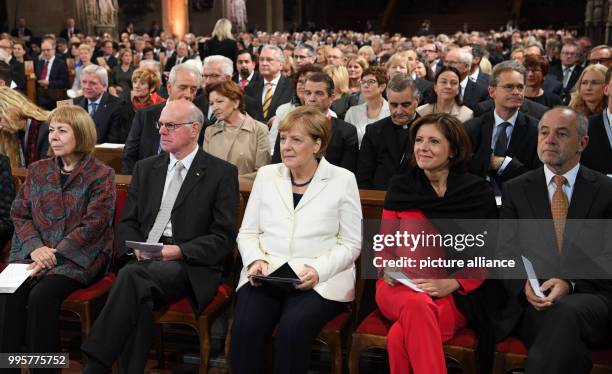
323, 231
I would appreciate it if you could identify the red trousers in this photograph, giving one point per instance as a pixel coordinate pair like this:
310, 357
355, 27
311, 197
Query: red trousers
421, 325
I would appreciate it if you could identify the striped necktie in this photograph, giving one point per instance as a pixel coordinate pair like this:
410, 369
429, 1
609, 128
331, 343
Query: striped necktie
267, 99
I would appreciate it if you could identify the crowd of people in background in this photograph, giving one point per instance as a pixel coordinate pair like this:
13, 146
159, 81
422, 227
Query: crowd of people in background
444, 123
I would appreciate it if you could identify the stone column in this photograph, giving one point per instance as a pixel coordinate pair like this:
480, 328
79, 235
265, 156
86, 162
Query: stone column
96, 17
175, 16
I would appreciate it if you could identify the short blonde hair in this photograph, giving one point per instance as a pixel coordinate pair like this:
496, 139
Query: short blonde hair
397, 58
80, 121
85, 48
147, 76
312, 121
339, 74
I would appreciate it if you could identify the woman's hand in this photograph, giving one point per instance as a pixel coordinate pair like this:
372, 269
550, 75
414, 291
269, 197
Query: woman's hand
44, 256
258, 267
437, 287
6, 126
390, 281
309, 278
36, 268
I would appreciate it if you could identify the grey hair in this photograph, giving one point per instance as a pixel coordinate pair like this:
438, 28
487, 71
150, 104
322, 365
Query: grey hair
187, 68
465, 56
194, 114
97, 70
401, 82
227, 66
506, 66
582, 121
308, 48
156, 65
280, 56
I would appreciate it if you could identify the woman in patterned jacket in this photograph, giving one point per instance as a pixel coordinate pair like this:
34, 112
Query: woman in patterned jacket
63, 227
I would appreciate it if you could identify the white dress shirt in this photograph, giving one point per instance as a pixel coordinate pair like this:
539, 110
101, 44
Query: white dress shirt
568, 187
187, 161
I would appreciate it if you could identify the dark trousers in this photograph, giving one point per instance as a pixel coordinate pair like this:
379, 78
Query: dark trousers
560, 338
32, 314
125, 326
300, 315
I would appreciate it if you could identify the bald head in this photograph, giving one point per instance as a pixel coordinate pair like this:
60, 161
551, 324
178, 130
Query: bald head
562, 136
179, 127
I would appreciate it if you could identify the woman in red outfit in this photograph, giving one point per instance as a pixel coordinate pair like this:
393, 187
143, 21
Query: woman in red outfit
435, 187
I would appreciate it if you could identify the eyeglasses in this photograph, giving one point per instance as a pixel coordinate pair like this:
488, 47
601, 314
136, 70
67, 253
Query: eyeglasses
453, 63
170, 126
569, 53
369, 82
592, 83
600, 61
512, 87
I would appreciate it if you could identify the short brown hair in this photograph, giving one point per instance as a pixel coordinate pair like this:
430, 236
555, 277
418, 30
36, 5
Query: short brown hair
379, 73
454, 131
147, 76
314, 123
80, 121
229, 89
536, 61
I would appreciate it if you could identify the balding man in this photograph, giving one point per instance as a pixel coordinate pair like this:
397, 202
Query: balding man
186, 200
572, 259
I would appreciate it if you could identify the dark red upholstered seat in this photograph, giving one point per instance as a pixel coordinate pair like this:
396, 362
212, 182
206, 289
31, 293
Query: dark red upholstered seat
97, 289
184, 306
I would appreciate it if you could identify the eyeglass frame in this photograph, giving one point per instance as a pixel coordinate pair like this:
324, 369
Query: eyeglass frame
173, 127
369, 82
509, 88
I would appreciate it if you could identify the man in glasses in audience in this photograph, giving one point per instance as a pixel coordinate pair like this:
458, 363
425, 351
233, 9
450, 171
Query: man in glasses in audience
186, 201
504, 140
143, 139
601, 54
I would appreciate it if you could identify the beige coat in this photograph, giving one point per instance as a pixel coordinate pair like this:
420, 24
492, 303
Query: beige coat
249, 147
462, 113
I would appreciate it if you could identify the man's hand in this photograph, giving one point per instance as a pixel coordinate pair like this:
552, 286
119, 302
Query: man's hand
43, 82
496, 162
171, 253
557, 289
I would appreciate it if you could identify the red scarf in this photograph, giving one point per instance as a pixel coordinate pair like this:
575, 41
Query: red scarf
153, 99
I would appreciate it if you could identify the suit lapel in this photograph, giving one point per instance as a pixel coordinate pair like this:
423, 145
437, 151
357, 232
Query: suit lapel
282, 183
519, 134
537, 194
282, 85
486, 131
318, 184
158, 180
195, 174
583, 197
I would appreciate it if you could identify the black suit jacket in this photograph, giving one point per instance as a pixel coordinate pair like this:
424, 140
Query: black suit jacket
598, 153
282, 94
553, 86
58, 77
143, 138
171, 61
64, 33
531, 233
256, 77
482, 79
425, 88
110, 118
474, 93
18, 74
227, 48
342, 150
522, 147
529, 107
203, 217
379, 156
557, 72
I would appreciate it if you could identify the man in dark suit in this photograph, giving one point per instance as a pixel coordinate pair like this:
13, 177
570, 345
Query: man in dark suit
476, 75
187, 200
529, 107
143, 139
570, 69
471, 93
108, 112
504, 140
108, 54
598, 153
245, 69
22, 31
51, 75
17, 68
572, 315
271, 89
70, 30
384, 145
432, 57
343, 146
181, 55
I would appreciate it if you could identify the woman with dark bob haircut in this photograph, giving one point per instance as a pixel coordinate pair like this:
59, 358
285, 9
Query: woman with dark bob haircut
537, 68
435, 187
446, 97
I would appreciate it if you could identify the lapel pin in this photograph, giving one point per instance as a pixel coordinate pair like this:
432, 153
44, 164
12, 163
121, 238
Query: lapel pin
198, 174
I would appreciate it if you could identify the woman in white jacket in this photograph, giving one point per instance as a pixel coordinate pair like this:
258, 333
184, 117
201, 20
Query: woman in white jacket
302, 221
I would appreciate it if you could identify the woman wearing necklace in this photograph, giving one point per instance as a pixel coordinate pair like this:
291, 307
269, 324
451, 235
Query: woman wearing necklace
302, 221
235, 137
446, 97
62, 216
373, 84
423, 198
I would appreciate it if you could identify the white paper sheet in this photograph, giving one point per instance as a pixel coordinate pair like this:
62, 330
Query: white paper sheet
110, 145
533, 278
403, 279
13, 276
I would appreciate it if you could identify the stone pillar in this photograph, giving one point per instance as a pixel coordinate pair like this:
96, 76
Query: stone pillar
96, 17
175, 16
